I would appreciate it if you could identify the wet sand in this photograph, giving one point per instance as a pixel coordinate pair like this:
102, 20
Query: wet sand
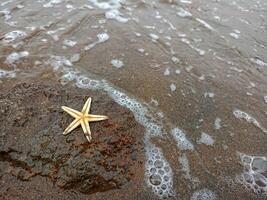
190, 76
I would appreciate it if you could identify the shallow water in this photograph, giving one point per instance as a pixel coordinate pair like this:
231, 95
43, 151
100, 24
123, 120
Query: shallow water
193, 73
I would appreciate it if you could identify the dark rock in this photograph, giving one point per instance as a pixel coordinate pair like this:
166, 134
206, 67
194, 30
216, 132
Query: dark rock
33, 147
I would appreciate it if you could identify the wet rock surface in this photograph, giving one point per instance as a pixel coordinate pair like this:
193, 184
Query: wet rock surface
33, 150
182, 67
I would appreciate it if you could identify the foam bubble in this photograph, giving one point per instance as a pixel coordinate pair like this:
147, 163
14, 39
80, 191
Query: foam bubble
217, 123
70, 7
108, 4
15, 56
68, 76
6, 2
51, 3
7, 74
102, 37
265, 99
202, 77
182, 142
258, 62
242, 115
183, 13
75, 57
234, 35
85, 82
117, 63
7, 14
115, 14
20, 6
141, 50
13, 35
154, 129
153, 36
209, 94
87, 7
217, 18
177, 71
205, 139
186, 170
58, 61
53, 33
175, 60
254, 174
204, 194
167, 72
69, 43
186, 41
102, 21
186, 1
205, 24
138, 34
158, 172
236, 69
181, 34
173, 87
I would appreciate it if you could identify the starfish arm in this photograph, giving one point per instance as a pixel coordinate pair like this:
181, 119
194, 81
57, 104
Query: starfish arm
72, 126
95, 118
86, 129
72, 112
87, 106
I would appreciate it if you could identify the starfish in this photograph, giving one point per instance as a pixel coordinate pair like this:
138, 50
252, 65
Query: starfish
82, 118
